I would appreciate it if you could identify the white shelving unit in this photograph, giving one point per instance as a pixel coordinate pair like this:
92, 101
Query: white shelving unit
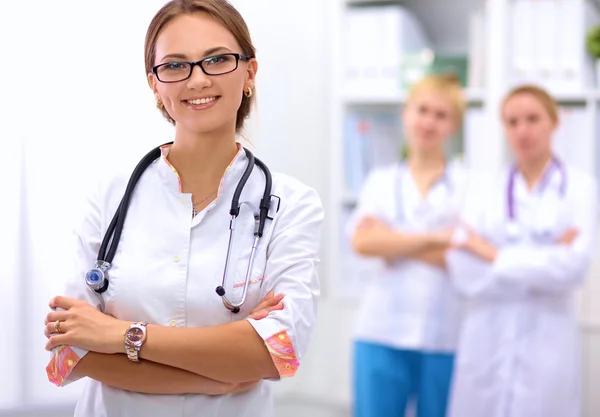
445, 22
487, 153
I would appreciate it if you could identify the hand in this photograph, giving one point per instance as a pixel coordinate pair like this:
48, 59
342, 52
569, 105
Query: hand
477, 245
269, 303
568, 237
242, 387
83, 326
225, 388
374, 228
442, 237
370, 222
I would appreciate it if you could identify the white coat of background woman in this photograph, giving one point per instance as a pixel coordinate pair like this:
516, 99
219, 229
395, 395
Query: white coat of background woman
197, 358
528, 239
408, 322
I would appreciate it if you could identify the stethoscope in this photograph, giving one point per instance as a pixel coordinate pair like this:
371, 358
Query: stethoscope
97, 277
512, 227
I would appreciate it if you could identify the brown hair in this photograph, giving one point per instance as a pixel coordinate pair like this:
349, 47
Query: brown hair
539, 94
448, 86
220, 10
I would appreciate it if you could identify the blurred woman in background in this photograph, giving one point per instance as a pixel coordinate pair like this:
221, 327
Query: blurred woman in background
526, 244
408, 323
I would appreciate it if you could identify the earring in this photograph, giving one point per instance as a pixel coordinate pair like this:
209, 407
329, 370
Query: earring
248, 93
159, 104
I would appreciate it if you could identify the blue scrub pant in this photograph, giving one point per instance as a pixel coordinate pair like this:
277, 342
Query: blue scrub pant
385, 379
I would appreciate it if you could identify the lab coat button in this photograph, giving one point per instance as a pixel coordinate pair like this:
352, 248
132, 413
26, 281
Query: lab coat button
173, 323
176, 258
184, 201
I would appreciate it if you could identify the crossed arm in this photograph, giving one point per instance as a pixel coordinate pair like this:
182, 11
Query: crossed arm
374, 238
239, 358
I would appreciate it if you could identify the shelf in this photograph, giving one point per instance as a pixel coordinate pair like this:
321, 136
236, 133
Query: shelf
371, 3
576, 98
474, 97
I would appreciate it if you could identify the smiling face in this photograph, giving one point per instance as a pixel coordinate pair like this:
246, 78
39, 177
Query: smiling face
202, 103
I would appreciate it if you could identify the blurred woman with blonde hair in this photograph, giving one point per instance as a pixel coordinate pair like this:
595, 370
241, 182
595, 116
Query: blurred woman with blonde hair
408, 323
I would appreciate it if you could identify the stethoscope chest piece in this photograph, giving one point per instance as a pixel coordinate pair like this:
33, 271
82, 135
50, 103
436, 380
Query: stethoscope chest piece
97, 277
513, 231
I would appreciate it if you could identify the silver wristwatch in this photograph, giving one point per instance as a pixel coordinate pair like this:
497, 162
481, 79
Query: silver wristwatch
135, 337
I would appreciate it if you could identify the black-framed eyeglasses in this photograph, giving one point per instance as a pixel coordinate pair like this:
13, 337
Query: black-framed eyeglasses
175, 71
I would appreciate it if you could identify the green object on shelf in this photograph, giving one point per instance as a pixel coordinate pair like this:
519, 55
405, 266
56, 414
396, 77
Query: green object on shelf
592, 41
417, 65
404, 151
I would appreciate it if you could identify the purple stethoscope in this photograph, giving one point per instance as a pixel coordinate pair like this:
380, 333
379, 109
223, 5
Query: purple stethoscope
513, 229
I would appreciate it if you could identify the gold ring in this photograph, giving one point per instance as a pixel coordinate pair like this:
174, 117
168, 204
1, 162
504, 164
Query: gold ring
57, 327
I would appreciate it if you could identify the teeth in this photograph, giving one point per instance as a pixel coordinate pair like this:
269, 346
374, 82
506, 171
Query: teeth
202, 100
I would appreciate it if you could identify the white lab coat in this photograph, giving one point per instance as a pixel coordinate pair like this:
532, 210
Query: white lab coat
519, 353
168, 265
410, 304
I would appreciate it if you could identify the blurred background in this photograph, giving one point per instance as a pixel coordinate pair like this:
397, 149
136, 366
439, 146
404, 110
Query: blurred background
332, 77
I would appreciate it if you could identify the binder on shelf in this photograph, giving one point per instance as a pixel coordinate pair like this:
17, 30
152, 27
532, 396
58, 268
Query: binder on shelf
371, 139
375, 40
548, 44
477, 60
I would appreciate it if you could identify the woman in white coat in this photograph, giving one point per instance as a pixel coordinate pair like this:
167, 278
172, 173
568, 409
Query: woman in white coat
526, 244
408, 323
160, 341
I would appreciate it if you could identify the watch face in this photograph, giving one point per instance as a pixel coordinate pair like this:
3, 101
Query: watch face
135, 335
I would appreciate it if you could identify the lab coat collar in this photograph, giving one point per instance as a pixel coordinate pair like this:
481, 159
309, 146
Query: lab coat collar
170, 177
551, 180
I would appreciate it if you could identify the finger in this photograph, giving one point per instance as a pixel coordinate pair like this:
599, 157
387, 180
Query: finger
259, 315
273, 301
367, 222
268, 296
262, 313
279, 306
51, 328
244, 386
57, 340
261, 305
269, 302
56, 315
63, 302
